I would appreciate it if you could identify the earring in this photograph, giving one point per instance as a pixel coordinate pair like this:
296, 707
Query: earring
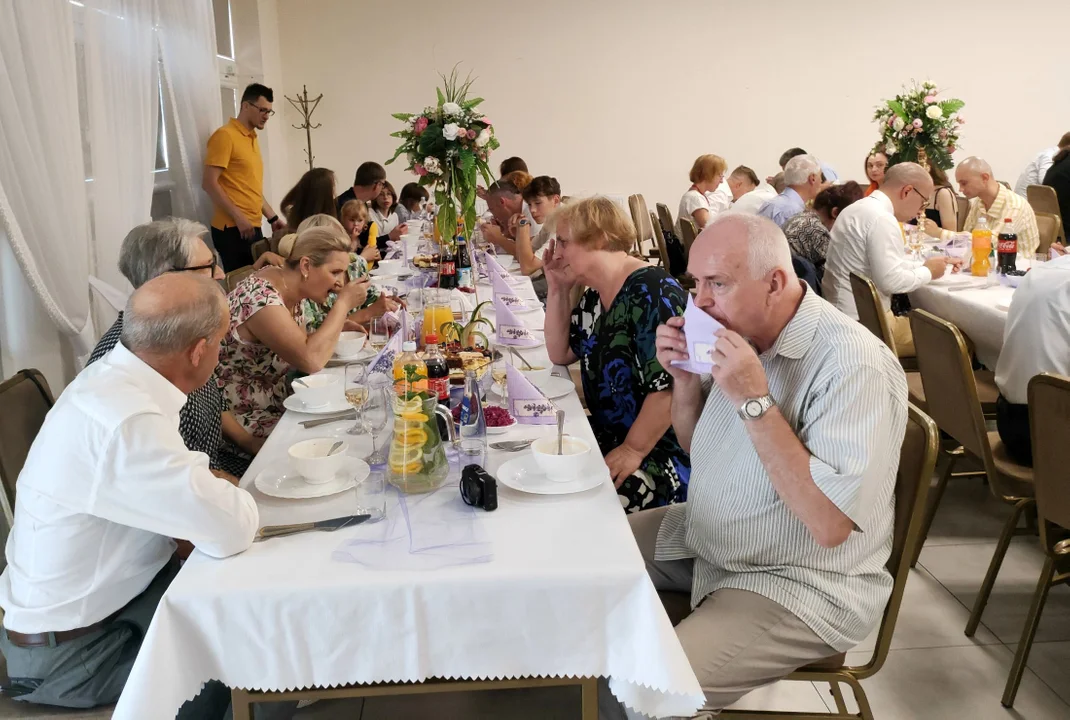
304, 276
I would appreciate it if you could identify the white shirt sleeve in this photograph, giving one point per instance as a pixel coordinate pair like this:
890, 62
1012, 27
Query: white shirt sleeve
149, 480
693, 200
1044, 163
892, 273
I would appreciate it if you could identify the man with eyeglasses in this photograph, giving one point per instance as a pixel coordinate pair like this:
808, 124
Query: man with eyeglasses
867, 240
367, 184
234, 179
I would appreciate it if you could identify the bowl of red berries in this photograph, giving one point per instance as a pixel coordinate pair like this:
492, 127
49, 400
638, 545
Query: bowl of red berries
497, 418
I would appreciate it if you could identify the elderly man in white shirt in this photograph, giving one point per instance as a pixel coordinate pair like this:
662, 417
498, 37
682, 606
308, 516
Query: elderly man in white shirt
748, 195
106, 486
1036, 170
803, 181
1036, 339
867, 240
794, 440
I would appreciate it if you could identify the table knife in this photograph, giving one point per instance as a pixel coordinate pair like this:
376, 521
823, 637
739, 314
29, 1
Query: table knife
347, 415
271, 531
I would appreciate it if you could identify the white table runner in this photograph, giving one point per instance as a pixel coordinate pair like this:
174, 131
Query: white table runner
566, 594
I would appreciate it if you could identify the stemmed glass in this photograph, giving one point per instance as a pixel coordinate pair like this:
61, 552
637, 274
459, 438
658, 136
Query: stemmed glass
378, 413
378, 334
499, 371
357, 394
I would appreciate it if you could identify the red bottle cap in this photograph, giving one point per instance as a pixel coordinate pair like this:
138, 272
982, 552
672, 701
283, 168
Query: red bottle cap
1007, 220
432, 339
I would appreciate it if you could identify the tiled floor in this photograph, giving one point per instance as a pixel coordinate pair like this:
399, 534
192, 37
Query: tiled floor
933, 670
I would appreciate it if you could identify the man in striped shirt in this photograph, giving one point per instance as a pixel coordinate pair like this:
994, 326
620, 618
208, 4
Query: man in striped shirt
794, 442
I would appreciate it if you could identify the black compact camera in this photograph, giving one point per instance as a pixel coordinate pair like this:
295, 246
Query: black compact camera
479, 488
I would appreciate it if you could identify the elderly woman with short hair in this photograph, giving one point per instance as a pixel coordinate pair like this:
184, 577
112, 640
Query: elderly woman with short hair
611, 333
175, 245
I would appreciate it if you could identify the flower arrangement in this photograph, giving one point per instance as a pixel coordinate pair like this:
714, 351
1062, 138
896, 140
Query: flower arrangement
918, 119
447, 146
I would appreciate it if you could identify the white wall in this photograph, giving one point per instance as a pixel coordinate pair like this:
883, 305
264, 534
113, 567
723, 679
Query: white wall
622, 96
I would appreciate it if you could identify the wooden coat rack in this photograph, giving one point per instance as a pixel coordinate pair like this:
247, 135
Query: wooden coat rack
306, 107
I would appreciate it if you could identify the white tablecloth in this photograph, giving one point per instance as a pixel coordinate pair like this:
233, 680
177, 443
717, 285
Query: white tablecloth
566, 594
981, 314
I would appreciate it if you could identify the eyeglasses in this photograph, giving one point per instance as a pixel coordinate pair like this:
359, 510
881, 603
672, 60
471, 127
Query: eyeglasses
211, 266
263, 111
924, 200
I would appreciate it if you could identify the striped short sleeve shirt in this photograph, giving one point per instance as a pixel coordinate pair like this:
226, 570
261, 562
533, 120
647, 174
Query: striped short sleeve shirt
845, 395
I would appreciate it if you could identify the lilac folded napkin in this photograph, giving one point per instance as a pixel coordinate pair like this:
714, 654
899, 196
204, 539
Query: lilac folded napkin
495, 267
511, 331
526, 402
503, 292
699, 329
384, 361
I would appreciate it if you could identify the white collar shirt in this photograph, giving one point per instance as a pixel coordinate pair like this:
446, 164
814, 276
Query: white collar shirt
752, 201
106, 486
1035, 171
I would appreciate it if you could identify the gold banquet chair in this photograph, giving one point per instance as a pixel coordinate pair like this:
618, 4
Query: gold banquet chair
953, 402
872, 316
665, 218
659, 241
1049, 415
236, 276
917, 458
26, 399
962, 207
644, 231
688, 233
1049, 230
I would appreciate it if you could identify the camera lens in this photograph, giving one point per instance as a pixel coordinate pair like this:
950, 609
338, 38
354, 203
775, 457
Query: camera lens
471, 487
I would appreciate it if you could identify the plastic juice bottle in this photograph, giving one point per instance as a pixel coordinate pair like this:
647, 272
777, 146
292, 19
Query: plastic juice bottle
981, 244
410, 372
373, 234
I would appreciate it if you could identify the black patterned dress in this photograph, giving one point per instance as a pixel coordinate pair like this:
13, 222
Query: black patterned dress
615, 346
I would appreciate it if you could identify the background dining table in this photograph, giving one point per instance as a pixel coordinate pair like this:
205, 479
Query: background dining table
565, 593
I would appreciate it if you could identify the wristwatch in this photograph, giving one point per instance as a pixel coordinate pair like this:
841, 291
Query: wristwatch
524, 221
755, 408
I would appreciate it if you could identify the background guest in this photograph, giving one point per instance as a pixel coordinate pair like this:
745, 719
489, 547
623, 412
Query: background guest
802, 181
512, 164
1058, 177
876, 164
412, 195
706, 175
831, 175
943, 207
1036, 170
748, 195
611, 333
234, 180
312, 195
383, 212
354, 218
265, 342
808, 232
505, 204
543, 196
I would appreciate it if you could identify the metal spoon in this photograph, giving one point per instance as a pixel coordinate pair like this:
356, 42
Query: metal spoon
511, 445
302, 383
527, 365
560, 431
333, 448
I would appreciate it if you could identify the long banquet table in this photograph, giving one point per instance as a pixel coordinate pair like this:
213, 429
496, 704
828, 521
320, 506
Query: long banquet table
565, 594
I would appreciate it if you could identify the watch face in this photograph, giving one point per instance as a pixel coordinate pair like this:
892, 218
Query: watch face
753, 408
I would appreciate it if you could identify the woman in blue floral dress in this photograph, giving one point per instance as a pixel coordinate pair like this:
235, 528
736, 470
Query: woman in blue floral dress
611, 332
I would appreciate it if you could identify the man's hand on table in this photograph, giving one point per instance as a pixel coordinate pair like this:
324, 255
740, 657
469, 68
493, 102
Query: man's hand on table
938, 265
737, 370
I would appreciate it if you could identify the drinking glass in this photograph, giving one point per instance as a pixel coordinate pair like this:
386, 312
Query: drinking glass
371, 496
472, 451
356, 394
499, 371
378, 334
378, 412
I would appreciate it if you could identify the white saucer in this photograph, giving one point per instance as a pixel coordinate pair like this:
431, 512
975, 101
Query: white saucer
380, 273
556, 387
366, 353
501, 428
287, 484
518, 348
334, 406
523, 474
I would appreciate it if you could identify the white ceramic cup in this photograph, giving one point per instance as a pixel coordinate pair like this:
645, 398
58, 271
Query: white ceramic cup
317, 390
565, 467
310, 459
350, 343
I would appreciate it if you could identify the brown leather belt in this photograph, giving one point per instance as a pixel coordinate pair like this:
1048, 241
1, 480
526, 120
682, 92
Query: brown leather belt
51, 639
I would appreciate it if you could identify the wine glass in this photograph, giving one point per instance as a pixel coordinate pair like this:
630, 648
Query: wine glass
357, 394
378, 412
499, 371
378, 333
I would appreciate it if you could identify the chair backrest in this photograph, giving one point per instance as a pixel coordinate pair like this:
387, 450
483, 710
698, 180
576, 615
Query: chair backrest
917, 460
688, 232
870, 311
1050, 230
260, 247
641, 217
665, 218
949, 384
659, 240
1049, 416
26, 399
236, 276
963, 210
1043, 199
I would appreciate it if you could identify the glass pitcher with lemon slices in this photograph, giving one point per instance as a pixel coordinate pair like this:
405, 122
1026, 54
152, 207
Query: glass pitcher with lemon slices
417, 460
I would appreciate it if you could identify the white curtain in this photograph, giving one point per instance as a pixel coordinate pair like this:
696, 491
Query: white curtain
122, 97
43, 209
191, 90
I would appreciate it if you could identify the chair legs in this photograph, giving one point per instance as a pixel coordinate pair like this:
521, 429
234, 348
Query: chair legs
1029, 631
930, 513
993, 567
837, 694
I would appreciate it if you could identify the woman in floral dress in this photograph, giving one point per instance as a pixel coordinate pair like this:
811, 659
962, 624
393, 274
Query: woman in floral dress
267, 337
611, 332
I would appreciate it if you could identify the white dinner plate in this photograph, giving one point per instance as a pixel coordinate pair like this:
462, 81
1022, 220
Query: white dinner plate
518, 348
334, 406
366, 353
380, 273
523, 474
287, 484
553, 388
501, 428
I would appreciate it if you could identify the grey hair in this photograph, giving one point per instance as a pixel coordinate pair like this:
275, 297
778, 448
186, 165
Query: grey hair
800, 168
163, 328
976, 165
157, 247
905, 173
767, 247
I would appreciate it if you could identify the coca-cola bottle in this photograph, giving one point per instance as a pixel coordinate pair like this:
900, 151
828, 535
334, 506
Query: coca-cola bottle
447, 276
1006, 248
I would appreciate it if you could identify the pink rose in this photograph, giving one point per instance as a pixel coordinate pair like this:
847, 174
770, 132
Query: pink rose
471, 134
951, 148
420, 126
960, 121
486, 122
917, 123
419, 169
930, 99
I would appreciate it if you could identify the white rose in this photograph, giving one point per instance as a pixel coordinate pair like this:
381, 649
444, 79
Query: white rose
898, 124
450, 131
483, 137
934, 112
451, 108
890, 149
432, 165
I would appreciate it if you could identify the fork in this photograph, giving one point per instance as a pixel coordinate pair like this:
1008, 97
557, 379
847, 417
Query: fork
512, 445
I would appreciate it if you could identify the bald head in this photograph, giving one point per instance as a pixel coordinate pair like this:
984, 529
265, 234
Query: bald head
909, 186
170, 313
975, 166
908, 173
975, 179
758, 242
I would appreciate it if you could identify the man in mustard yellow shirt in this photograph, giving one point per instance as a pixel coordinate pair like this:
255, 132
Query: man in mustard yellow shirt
234, 179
